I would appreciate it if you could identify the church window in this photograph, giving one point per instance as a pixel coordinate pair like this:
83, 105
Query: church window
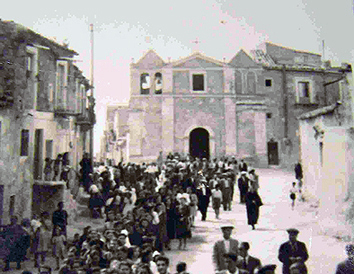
198, 82
158, 83
144, 83
268, 82
238, 82
251, 82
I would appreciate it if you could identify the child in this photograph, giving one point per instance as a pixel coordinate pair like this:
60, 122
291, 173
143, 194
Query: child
216, 198
76, 244
58, 245
293, 192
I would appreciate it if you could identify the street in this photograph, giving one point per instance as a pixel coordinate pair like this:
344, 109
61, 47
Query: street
276, 216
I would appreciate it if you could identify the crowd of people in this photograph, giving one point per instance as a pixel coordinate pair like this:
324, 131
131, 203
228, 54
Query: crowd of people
145, 207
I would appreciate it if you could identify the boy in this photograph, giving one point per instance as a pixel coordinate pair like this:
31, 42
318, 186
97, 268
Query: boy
293, 191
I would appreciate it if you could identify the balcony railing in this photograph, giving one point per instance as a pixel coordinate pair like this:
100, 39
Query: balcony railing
61, 111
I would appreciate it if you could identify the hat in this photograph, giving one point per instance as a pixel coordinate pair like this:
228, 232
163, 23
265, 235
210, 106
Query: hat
124, 232
268, 267
156, 253
227, 226
293, 231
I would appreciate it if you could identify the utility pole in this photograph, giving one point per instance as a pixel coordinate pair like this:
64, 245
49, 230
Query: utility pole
92, 93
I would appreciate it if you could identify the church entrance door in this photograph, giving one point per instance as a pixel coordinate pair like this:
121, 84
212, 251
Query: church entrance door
199, 143
273, 157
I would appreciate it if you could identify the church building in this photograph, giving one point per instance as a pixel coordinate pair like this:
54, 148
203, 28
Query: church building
207, 108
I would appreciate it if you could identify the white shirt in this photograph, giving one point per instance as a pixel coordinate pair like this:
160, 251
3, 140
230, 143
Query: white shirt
227, 245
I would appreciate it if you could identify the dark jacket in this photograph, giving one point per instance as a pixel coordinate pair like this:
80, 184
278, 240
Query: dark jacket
285, 252
251, 265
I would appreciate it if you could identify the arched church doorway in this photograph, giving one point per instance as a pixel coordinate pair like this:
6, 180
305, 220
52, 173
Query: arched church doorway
199, 143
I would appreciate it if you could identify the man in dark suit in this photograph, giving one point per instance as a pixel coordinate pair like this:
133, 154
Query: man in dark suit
347, 266
243, 182
225, 246
243, 166
245, 261
292, 251
203, 194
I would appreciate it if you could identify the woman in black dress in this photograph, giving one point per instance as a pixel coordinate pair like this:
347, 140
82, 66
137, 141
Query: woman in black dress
170, 221
253, 202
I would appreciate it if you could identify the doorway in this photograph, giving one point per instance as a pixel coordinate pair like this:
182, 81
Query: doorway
199, 143
273, 156
38, 154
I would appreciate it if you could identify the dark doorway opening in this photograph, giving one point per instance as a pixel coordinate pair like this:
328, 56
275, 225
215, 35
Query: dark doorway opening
38, 154
199, 143
273, 156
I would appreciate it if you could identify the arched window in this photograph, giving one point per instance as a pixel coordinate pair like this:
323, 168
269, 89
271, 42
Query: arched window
158, 83
144, 83
251, 82
238, 82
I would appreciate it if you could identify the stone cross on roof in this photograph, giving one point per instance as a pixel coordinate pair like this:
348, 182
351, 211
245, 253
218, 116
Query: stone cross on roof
196, 42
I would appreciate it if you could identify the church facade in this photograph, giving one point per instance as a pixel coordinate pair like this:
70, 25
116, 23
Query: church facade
208, 108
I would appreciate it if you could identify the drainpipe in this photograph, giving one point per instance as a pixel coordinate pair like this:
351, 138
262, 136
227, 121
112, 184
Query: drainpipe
285, 102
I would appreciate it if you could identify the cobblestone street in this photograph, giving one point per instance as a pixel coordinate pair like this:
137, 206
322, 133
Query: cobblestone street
275, 217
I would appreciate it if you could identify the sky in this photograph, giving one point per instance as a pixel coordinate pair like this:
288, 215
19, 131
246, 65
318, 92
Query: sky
125, 30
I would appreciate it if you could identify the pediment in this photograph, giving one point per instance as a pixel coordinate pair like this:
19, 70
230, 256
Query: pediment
150, 60
197, 60
243, 60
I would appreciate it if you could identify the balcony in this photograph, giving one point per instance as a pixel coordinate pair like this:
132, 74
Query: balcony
61, 111
85, 121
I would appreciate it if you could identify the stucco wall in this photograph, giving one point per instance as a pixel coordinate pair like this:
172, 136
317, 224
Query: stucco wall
246, 133
181, 82
15, 170
200, 112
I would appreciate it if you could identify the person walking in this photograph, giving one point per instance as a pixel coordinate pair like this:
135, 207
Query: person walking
293, 192
86, 170
254, 179
204, 198
253, 202
243, 166
43, 234
292, 251
243, 182
298, 173
245, 261
60, 218
58, 241
183, 230
14, 236
225, 246
347, 266
216, 195
226, 192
